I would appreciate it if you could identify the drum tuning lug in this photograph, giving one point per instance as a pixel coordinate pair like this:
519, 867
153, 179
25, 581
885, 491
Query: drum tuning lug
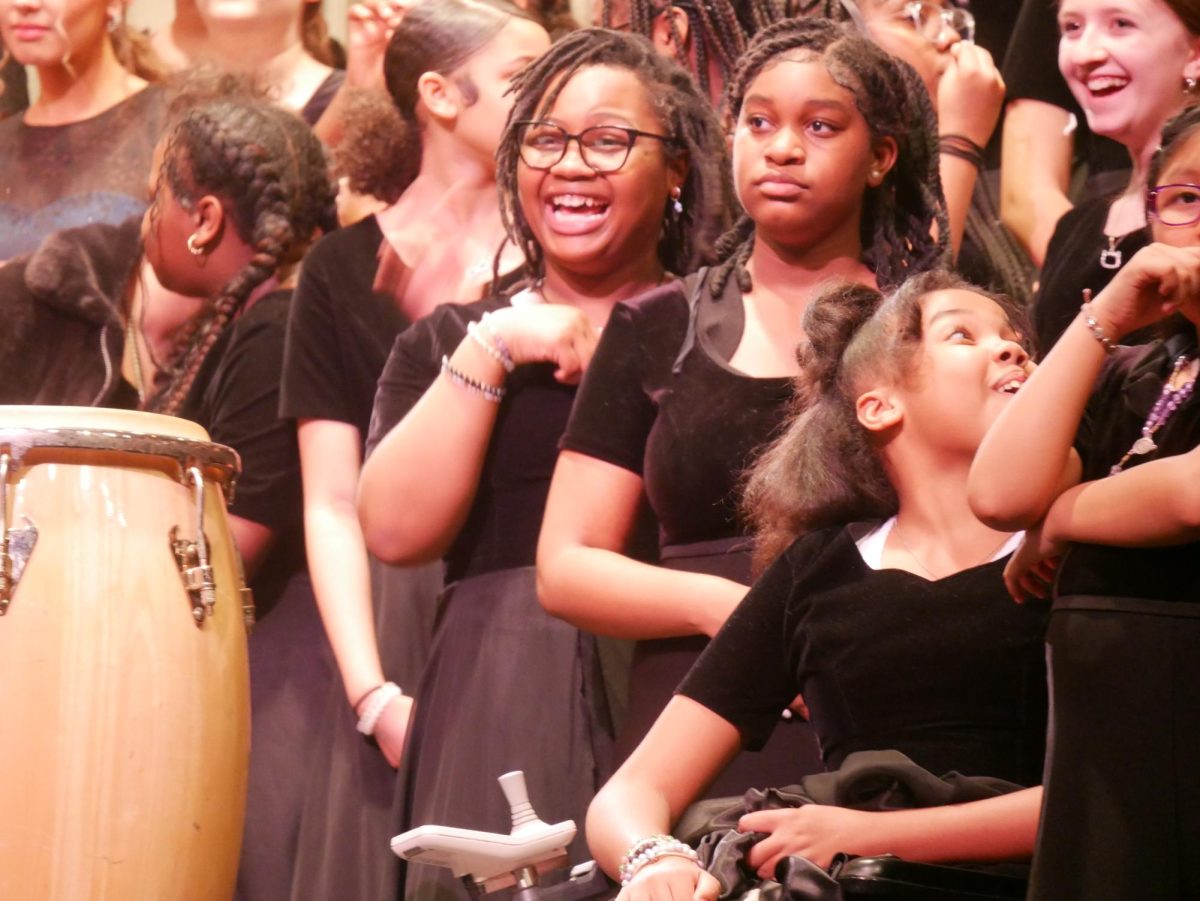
15, 544
197, 577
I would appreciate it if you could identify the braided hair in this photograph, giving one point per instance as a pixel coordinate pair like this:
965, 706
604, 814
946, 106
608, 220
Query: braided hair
270, 174
824, 470
721, 28
686, 117
899, 216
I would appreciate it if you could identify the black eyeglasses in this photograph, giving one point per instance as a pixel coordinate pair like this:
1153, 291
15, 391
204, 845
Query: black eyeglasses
1174, 204
604, 148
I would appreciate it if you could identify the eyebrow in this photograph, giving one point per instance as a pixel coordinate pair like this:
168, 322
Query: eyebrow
815, 103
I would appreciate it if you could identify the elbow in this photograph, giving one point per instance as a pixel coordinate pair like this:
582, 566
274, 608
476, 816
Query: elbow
550, 593
396, 537
1000, 508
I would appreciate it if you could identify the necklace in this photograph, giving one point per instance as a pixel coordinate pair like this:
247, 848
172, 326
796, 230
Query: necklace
1171, 398
1111, 256
917, 560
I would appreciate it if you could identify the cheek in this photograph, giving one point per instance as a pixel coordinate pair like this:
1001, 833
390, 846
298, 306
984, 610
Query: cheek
528, 181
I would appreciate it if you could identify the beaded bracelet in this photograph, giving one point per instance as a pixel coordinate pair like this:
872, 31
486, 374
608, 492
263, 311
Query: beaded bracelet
377, 702
474, 330
1096, 329
493, 393
649, 849
963, 148
497, 340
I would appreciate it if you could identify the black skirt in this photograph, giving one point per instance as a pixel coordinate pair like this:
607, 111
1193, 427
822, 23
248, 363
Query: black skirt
1121, 816
659, 666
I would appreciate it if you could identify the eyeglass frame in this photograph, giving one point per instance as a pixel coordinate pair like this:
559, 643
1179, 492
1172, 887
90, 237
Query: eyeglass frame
1152, 204
634, 134
947, 14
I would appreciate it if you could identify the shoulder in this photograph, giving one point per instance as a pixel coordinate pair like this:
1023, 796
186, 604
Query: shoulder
821, 555
334, 249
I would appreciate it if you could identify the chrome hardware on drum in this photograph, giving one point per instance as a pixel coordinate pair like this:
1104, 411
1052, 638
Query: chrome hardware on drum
123, 615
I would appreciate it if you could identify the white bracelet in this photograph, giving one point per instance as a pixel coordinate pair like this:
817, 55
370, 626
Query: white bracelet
650, 849
474, 331
376, 703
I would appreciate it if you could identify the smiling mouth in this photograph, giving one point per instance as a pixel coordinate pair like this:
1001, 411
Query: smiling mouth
1105, 85
576, 213
1012, 386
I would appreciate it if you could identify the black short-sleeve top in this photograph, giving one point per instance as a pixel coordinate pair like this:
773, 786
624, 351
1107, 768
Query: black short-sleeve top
236, 398
1125, 392
340, 331
502, 527
661, 400
950, 672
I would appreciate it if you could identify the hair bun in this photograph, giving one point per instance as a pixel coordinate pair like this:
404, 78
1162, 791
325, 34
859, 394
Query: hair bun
831, 320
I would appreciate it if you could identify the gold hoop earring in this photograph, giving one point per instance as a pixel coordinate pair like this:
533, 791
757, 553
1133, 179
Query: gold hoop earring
193, 246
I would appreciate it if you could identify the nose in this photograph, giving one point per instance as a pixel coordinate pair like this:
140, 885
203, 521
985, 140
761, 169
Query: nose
1086, 46
1011, 352
572, 164
783, 147
947, 36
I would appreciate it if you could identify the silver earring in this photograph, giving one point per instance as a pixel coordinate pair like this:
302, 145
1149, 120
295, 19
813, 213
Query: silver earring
676, 201
114, 20
1189, 84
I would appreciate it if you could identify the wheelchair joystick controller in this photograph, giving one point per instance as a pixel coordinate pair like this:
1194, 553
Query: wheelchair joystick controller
489, 861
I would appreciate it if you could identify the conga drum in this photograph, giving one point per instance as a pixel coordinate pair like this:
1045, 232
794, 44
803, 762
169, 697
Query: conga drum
124, 724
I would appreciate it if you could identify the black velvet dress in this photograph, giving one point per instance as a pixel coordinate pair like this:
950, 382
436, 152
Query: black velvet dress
507, 685
339, 335
948, 672
661, 400
1121, 817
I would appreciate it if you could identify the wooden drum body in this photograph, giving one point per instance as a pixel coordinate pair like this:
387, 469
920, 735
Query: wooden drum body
125, 726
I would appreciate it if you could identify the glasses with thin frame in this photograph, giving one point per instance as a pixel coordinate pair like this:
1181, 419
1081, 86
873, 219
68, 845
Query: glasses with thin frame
604, 148
1174, 205
930, 19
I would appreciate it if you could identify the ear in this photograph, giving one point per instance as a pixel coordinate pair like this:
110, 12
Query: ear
677, 171
1191, 68
439, 95
879, 410
663, 38
883, 158
209, 218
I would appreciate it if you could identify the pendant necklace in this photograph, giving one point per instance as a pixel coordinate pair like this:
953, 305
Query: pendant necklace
1111, 256
1168, 402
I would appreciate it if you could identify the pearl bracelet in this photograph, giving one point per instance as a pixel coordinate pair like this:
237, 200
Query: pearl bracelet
649, 849
1096, 329
376, 703
475, 331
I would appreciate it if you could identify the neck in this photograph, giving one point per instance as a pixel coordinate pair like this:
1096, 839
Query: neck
596, 295
445, 195
791, 274
271, 49
94, 82
934, 514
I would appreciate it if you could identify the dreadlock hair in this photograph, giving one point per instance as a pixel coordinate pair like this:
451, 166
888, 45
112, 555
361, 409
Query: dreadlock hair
824, 469
685, 115
899, 216
314, 35
438, 36
270, 174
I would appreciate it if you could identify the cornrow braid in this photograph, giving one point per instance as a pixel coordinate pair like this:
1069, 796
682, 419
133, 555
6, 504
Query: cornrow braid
686, 117
270, 174
901, 216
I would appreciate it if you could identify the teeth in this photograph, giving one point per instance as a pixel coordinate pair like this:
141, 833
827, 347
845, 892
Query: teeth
1011, 387
1105, 83
576, 202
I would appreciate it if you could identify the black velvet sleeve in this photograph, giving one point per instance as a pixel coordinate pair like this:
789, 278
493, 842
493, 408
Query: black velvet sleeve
748, 673
241, 410
613, 414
